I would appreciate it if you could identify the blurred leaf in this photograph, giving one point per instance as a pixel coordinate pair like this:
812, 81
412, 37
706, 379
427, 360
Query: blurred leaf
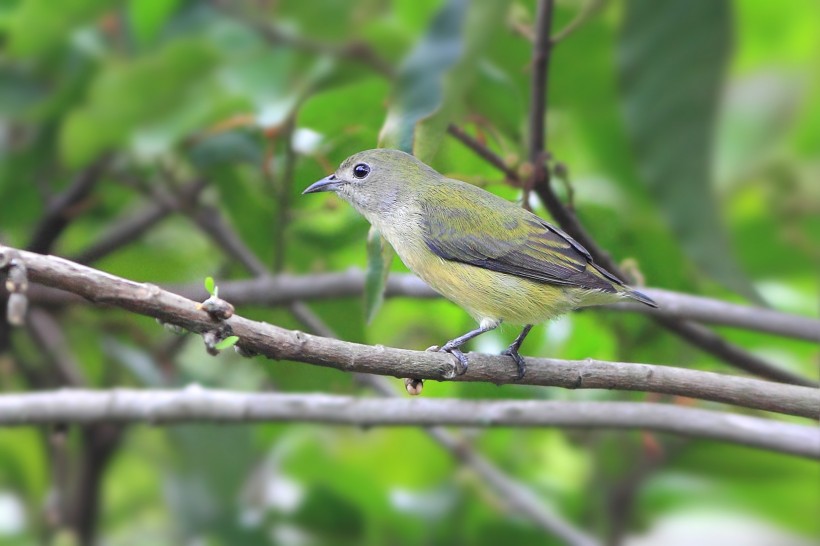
379, 257
672, 63
127, 96
146, 18
210, 468
347, 116
23, 465
495, 96
480, 23
433, 80
52, 24
326, 512
137, 360
756, 114
18, 91
227, 148
418, 90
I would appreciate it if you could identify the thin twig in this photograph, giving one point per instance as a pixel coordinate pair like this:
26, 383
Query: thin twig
279, 343
48, 336
480, 149
58, 213
283, 193
591, 8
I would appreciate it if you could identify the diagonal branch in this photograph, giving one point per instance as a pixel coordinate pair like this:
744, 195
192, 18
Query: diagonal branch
281, 344
59, 212
127, 229
200, 404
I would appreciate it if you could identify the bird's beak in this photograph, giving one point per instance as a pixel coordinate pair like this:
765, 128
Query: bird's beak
328, 183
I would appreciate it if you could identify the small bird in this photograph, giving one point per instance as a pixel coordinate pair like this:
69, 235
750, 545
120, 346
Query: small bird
498, 261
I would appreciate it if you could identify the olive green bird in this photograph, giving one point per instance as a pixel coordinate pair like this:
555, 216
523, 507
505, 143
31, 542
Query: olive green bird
493, 258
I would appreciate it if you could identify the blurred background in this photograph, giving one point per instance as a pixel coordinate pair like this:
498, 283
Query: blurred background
135, 135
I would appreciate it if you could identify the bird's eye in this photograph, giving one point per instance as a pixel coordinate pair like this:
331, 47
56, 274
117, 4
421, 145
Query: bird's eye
361, 170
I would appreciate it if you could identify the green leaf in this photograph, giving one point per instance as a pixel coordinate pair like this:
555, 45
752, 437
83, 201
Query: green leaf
672, 58
480, 23
379, 257
433, 80
756, 115
18, 92
147, 18
38, 27
226, 343
126, 97
210, 285
419, 80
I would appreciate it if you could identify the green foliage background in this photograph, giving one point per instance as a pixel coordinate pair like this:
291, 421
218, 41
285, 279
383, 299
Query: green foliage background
691, 133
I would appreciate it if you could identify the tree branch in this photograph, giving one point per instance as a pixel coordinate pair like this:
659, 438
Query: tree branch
284, 289
540, 73
480, 149
538, 97
199, 404
281, 344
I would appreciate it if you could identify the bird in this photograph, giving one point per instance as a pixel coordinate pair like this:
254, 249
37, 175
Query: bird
498, 261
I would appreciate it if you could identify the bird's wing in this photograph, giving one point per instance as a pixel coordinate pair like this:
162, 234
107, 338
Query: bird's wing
504, 238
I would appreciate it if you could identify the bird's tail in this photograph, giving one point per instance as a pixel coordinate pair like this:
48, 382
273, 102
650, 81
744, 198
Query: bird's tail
641, 297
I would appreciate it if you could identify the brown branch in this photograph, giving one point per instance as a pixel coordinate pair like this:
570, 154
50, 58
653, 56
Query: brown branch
282, 344
48, 336
284, 289
481, 150
539, 88
100, 443
78, 509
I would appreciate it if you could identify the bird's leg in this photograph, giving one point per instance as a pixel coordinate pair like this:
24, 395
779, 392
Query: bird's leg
453, 346
512, 351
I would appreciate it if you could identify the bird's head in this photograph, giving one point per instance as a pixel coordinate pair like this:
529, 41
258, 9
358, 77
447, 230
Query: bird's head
376, 181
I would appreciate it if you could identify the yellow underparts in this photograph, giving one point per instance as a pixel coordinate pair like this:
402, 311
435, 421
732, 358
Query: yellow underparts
492, 297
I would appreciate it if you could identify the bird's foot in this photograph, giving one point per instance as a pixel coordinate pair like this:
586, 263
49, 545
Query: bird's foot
512, 352
461, 358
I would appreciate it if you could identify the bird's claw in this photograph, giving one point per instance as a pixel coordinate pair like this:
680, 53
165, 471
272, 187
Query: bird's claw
461, 359
512, 352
